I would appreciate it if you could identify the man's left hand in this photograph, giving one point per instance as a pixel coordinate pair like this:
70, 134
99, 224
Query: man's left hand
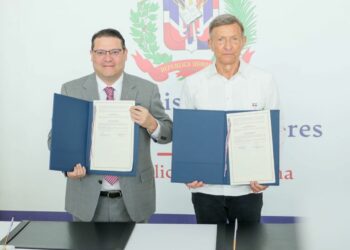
256, 187
143, 117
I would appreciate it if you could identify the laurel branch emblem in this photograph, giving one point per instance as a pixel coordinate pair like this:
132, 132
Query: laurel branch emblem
159, 64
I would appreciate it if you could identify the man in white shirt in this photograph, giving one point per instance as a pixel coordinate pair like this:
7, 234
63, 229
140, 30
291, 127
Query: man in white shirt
229, 84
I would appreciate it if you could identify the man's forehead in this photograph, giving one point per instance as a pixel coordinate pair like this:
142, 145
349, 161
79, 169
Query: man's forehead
227, 29
107, 40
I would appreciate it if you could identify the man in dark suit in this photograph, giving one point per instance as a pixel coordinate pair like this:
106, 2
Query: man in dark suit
96, 197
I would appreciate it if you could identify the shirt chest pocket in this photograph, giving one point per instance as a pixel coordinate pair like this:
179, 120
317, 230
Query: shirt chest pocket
255, 104
254, 99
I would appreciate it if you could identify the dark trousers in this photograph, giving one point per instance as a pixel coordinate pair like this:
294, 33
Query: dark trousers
217, 209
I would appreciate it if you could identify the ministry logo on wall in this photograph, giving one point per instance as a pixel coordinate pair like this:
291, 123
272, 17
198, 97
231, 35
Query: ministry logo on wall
185, 30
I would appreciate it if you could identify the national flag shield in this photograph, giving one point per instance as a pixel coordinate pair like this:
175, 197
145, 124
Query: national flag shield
186, 23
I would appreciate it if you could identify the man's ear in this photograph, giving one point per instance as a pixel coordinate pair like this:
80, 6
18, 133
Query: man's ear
91, 54
244, 40
210, 44
126, 53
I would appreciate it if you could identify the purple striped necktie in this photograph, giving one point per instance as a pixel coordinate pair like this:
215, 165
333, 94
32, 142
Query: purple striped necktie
111, 179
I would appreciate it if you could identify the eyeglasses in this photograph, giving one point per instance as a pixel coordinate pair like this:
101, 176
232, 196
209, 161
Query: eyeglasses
112, 52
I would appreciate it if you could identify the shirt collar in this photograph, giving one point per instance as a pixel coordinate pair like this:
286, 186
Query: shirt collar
242, 70
117, 85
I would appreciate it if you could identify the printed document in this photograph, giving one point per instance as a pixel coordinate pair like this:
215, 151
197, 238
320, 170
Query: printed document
250, 148
112, 145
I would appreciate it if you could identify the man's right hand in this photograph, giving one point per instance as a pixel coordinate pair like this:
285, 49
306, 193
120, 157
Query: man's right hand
78, 172
195, 184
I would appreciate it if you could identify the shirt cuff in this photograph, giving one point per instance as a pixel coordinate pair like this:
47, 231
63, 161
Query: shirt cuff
156, 132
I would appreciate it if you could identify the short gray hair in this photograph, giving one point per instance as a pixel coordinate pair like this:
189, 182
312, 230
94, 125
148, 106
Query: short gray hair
225, 19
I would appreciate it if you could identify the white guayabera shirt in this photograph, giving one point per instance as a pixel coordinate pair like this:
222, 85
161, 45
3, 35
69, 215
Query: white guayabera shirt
249, 89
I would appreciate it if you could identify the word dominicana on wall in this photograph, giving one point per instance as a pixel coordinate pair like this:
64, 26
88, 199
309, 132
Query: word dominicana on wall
162, 172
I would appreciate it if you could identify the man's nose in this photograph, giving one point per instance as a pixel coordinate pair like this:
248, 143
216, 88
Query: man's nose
108, 56
227, 45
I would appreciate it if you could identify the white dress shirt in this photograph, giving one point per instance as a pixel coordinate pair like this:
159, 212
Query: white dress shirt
249, 89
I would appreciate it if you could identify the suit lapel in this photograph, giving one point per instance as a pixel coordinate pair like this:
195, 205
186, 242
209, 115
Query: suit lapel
90, 91
129, 90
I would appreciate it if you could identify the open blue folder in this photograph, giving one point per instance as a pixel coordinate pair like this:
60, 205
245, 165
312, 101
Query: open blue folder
199, 138
71, 136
